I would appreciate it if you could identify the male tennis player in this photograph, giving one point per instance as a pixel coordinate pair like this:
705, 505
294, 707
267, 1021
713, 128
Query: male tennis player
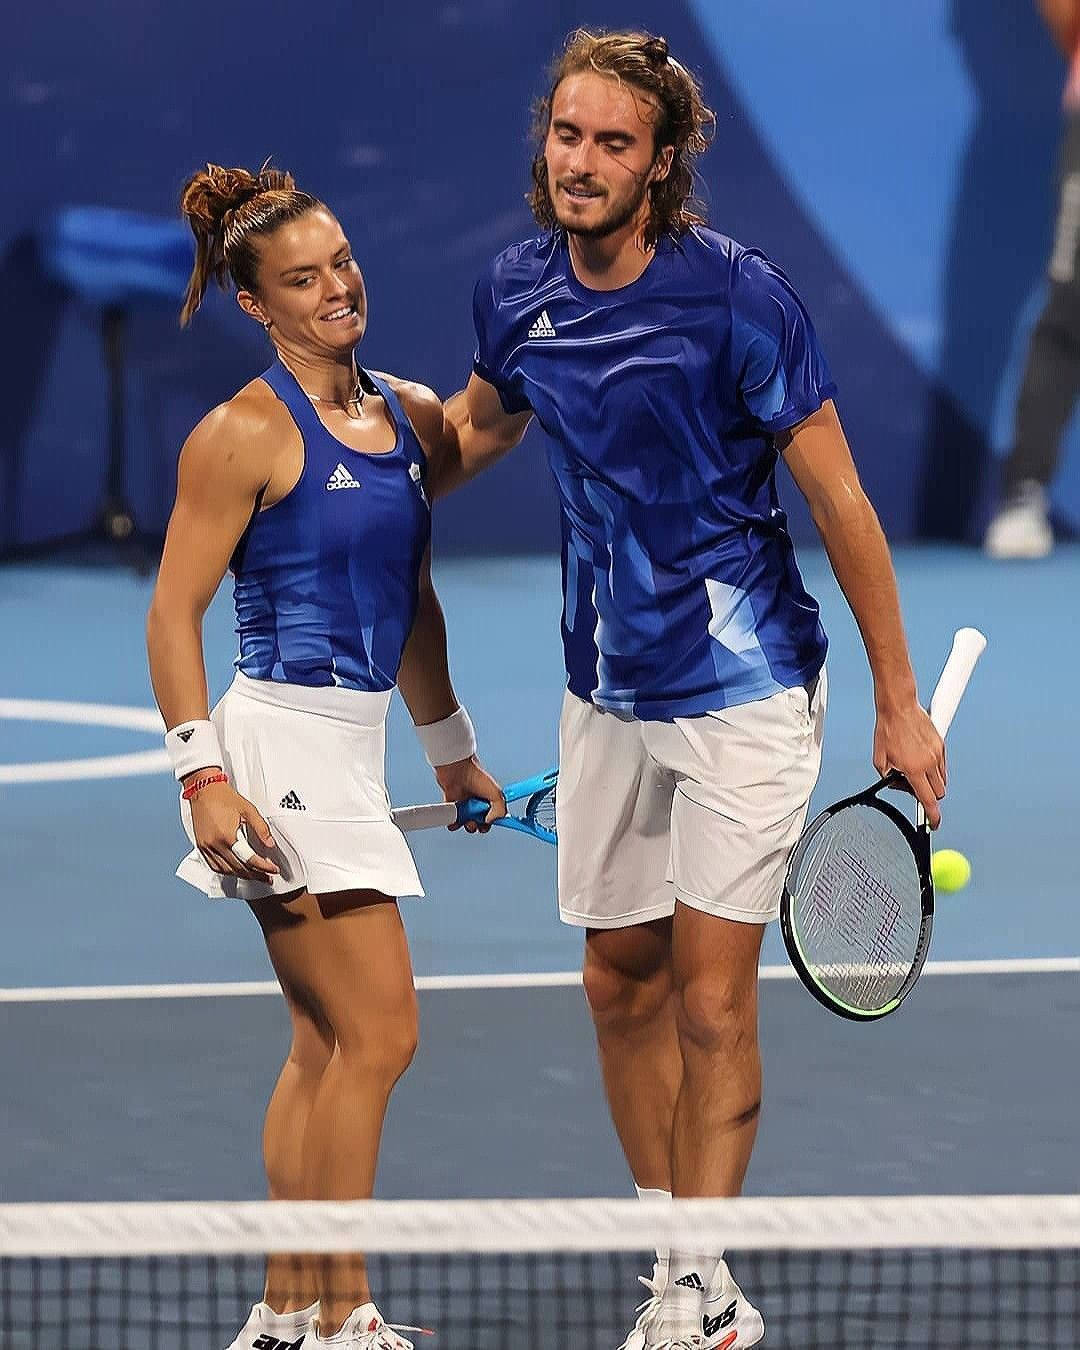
670, 367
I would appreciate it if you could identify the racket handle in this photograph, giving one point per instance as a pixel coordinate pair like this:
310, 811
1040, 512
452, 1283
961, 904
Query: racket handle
968, 645
439, 814
425, 817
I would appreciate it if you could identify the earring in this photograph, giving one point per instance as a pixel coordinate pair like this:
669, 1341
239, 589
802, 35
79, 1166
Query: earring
267, 325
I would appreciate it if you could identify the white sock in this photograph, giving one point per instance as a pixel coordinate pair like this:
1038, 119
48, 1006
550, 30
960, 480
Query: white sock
689, 1275
644, 1193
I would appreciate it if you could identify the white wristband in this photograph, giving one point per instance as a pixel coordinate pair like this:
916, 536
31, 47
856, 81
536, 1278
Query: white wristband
448, 741
193, 745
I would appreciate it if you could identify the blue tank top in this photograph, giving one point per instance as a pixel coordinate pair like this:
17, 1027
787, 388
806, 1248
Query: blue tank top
326, 579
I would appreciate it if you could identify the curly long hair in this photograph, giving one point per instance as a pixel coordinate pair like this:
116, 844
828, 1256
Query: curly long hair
683, 121
228, 209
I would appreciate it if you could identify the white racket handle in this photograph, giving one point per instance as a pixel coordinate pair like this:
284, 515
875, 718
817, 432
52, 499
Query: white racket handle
425, 817
242, 850
968, 645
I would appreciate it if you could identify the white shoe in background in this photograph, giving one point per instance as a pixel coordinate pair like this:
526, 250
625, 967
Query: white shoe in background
1021, 528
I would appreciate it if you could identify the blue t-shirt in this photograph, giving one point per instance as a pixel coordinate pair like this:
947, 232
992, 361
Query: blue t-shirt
661, 400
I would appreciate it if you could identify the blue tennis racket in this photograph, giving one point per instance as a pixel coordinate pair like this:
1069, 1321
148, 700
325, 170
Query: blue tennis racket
535, 817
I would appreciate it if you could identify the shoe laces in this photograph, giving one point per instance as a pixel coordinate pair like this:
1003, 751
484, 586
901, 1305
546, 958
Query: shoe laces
382, 1335
646, 1310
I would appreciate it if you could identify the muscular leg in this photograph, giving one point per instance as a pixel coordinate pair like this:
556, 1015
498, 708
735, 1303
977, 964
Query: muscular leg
714, 963
628, 985
346, 956
291, 1283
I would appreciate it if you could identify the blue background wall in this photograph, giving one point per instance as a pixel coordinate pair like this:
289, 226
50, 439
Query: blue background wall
895, 159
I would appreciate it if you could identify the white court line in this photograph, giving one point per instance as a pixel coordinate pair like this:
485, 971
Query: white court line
85, 715
552, 979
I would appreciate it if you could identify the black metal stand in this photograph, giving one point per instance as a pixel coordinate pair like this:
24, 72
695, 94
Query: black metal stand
117, 516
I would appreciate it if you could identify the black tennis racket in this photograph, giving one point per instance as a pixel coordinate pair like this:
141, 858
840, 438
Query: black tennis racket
857, 909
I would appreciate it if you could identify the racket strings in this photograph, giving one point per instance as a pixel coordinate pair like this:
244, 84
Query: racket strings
541, 809
858, 907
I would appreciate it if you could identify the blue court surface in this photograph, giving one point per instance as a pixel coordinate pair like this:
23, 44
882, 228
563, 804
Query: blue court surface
157, 1093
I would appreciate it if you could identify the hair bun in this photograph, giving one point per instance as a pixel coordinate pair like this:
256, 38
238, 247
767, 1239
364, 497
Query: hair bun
213, 192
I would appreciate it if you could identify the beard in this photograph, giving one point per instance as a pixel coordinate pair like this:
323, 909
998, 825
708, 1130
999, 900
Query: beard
618, 217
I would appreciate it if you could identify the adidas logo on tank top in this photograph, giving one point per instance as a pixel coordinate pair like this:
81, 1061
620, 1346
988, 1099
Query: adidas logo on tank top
340, 478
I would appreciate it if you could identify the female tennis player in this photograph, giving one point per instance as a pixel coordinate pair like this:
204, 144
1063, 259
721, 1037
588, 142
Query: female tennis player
309, 485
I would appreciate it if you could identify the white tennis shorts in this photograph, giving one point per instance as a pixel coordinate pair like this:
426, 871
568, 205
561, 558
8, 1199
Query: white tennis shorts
703, 810
312, 761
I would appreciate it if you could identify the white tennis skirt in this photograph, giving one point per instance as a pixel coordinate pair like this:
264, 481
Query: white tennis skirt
313, 762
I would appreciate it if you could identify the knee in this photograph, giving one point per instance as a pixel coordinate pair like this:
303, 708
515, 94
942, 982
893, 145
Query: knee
717, 1016
403, 1042
622, 998
381, 1046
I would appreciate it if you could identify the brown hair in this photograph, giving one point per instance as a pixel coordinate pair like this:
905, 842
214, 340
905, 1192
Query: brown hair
227, 210
683, 122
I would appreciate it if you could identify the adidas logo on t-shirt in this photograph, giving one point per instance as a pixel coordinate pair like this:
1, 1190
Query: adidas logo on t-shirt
340, 478
543, 326
292, 802
691, 1281
267, 1342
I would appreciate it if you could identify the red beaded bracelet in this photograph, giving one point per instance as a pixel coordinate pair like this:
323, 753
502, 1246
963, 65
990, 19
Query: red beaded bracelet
201, 783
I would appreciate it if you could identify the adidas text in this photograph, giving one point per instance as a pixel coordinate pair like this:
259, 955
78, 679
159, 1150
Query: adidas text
341, 478
711, 1325
543, 327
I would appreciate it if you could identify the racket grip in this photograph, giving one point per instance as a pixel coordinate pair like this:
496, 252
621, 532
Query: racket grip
968, 645
439, 814
425, 817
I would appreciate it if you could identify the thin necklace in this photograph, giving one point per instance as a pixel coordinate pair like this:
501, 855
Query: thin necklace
357, 400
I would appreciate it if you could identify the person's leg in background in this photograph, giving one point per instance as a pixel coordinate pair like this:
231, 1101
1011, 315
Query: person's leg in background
1051, 384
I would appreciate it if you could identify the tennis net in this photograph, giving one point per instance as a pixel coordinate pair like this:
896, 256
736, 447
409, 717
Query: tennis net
848, 1274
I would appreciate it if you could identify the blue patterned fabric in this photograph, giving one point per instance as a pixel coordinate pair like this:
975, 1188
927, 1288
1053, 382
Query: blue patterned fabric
661, 400
326, 579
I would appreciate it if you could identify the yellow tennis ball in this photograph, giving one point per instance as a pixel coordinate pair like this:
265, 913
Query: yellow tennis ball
951, 870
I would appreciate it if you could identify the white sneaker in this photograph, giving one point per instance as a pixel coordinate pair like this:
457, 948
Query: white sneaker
728, 1321
1020, 529
268, 1330
364, 1329
647, 1311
